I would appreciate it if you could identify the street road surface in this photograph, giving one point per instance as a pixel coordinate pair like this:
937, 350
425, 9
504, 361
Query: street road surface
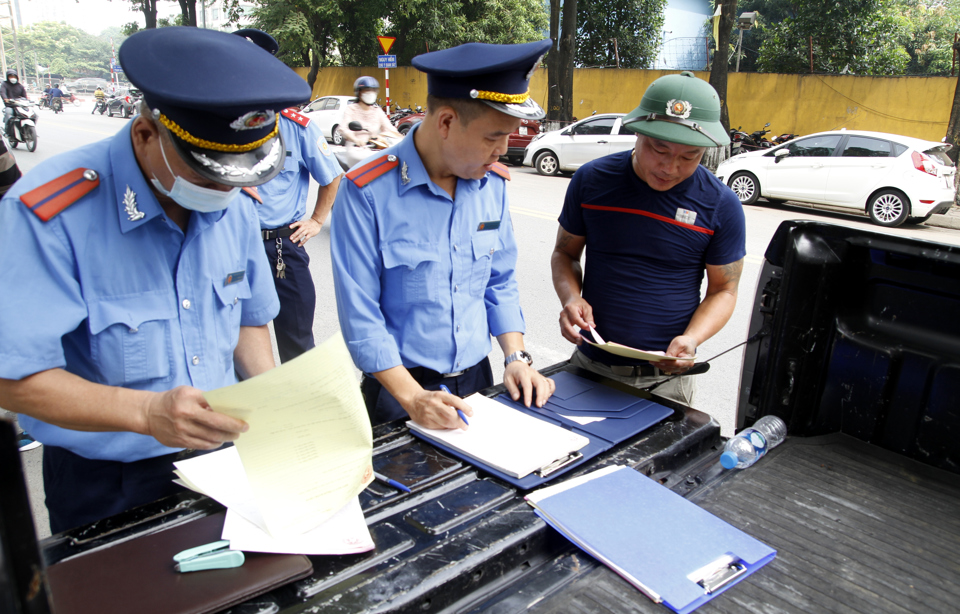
536, 202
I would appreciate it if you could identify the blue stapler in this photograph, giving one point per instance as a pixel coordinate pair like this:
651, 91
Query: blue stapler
209, 556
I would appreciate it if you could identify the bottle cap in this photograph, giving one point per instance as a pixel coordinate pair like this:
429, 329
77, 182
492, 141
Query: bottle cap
729, 460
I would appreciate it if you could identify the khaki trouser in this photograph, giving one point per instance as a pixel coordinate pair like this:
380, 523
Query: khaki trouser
681, 389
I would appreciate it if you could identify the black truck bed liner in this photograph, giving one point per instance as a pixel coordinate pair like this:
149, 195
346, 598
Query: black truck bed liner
856, 528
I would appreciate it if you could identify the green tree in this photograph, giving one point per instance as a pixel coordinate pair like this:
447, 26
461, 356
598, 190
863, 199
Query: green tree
929, 27
856, 36
629, 29
422, 25
66, 50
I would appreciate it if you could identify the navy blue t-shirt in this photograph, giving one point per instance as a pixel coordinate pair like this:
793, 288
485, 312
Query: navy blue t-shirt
646, 250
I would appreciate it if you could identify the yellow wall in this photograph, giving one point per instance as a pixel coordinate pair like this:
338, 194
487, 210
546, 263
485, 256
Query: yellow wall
912, 106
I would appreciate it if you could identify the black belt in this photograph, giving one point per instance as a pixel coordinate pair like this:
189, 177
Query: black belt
636, 371
422, 374
283, 231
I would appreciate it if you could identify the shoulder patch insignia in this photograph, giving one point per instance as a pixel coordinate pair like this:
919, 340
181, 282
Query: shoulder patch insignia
501, 170
295, 115
363, 175
252, 193
54, 196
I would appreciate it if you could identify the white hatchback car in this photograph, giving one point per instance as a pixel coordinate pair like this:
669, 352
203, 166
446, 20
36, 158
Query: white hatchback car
570, 148
328, 113
892, 178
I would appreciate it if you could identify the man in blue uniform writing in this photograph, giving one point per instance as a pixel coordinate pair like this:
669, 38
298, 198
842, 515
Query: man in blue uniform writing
423, 249
285, 227
652, 220
134, 276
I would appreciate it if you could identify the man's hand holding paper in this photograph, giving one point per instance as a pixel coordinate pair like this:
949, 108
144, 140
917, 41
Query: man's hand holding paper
309, 446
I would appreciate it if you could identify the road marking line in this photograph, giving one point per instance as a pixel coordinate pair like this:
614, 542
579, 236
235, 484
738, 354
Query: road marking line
534, 213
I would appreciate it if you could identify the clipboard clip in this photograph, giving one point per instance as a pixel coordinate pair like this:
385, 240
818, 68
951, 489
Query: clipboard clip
216, 555
558, 464
717, 574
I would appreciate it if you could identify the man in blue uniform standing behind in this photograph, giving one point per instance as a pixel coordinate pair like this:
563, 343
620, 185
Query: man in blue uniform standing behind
424, 254
283, 224
134, 277
652, 220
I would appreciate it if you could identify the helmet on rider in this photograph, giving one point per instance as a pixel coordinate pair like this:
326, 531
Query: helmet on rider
366, 89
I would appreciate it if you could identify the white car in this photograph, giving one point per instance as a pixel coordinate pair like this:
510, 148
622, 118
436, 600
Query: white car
568, 149
328, 113
892, 178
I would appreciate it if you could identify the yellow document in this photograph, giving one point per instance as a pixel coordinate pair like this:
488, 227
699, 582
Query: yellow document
629, 352
309, 449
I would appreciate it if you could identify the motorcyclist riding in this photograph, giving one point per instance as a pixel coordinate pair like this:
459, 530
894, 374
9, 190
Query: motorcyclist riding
10, 90
55, 97
366, 111
100, 96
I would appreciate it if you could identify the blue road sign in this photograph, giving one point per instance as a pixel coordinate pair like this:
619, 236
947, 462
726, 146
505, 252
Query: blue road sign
386, 61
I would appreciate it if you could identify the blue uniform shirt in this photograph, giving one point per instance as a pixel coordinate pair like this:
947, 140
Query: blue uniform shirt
646, 250
285, 196
132, 303
418, 281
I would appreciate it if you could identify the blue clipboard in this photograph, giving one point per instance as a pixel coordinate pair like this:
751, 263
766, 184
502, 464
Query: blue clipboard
666, 546
603, 435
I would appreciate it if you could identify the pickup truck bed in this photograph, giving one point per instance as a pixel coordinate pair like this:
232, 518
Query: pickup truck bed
856, 528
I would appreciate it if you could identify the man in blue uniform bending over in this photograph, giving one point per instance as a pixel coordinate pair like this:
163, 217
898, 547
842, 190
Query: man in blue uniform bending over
423, 248
651, 220
134, 276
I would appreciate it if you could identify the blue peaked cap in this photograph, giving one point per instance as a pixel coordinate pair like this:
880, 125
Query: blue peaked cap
497, 75
197, 83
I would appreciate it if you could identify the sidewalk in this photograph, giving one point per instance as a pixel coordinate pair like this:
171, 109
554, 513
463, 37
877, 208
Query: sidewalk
950, 219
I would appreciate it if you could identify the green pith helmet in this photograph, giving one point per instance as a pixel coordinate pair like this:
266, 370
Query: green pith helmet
680, 109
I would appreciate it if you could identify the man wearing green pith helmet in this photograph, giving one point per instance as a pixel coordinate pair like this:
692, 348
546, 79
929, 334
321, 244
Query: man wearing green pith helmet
652, 220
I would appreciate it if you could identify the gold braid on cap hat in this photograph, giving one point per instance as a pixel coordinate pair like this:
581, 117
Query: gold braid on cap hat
498, 97
204, 144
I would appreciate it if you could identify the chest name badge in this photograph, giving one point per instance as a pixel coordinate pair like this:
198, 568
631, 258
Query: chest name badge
685, 216
491, 225
234, 278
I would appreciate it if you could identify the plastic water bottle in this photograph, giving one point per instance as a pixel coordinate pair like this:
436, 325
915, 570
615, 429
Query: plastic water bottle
750, 444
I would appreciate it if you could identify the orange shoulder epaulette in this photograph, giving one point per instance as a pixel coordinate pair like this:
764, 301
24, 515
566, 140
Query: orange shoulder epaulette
54, 196
252, 193
501, 170
295, 115
362, 175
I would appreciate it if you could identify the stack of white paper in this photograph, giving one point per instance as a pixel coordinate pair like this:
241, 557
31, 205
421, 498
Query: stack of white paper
220, 476
292, 480
506, 439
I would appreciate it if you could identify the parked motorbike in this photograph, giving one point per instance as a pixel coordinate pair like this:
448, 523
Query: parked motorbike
22, 127
400, 113
741, 142
783, 138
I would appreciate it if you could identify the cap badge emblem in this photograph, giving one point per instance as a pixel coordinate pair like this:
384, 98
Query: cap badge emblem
130, 206
679, 108
253, 120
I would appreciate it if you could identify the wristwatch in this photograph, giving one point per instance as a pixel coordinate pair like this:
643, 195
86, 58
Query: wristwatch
519, 355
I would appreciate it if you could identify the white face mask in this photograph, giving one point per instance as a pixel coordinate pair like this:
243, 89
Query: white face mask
190, 196
369, 97
13, 80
